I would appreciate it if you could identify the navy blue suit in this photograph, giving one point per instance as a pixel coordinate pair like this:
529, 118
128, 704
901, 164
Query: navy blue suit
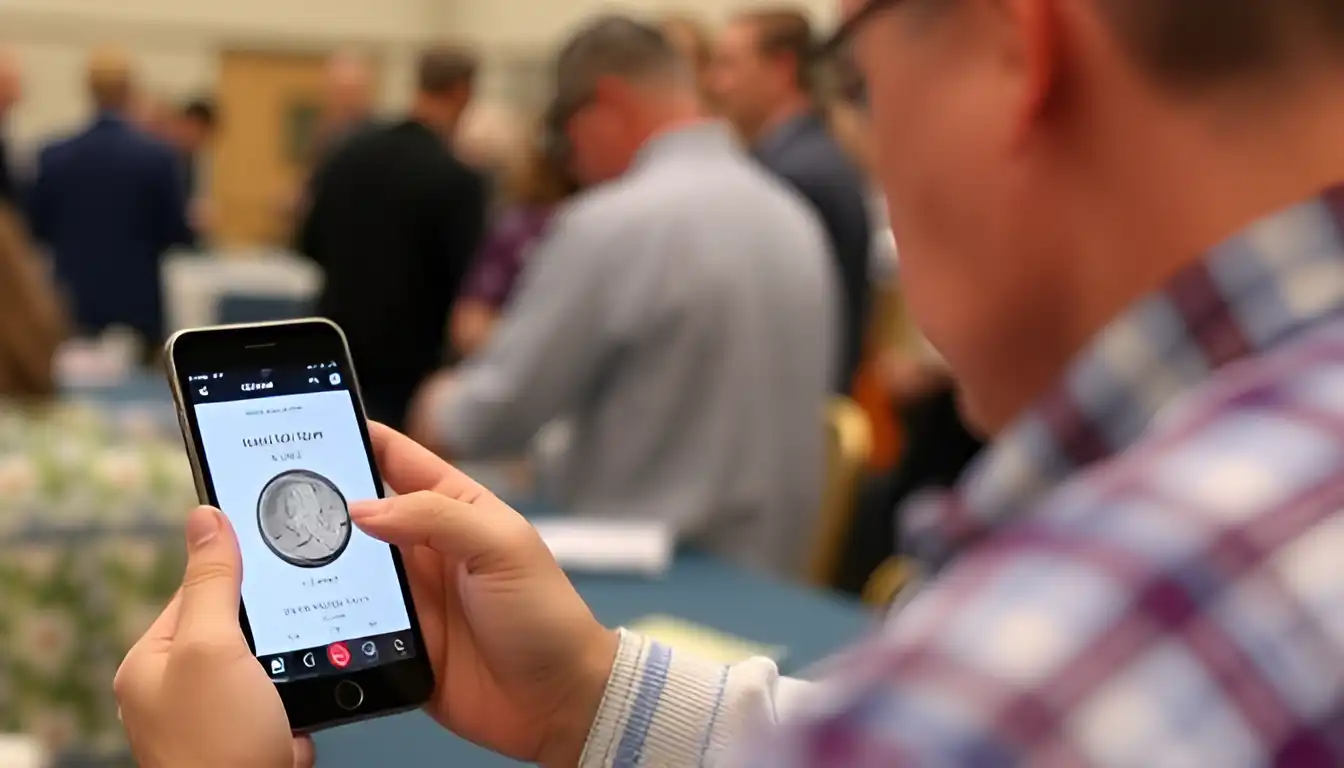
108, 202
802, 152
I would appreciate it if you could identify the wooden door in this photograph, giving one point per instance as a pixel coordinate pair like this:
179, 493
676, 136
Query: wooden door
269, 105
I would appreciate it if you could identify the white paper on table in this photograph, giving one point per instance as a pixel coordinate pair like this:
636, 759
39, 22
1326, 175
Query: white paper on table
22, 752
609, 546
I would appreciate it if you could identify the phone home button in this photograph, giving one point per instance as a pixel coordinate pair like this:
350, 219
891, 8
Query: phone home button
349, 696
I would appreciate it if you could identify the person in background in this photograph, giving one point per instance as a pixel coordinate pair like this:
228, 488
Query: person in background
346, 113
192, 132
152, 114
678, 315
913, 380
11, 92
193, 129
694, 41
848, 120
32, 321
395, 222
762, 82
535, 188
108, 203
347, 103
488, 140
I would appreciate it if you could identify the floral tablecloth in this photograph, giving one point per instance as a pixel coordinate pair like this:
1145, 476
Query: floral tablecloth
91, 504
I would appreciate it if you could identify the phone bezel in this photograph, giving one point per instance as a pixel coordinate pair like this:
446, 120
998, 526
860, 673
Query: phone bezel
310, 703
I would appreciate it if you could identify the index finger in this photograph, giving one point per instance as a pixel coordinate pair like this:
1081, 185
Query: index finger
409, 467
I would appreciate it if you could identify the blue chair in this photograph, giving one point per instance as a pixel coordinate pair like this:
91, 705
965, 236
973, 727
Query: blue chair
242, 308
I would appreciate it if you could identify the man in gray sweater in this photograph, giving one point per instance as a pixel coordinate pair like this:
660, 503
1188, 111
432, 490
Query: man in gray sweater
680, 317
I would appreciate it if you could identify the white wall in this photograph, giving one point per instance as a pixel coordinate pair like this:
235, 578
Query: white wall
527, 23
519, 37
177, 44
329, 19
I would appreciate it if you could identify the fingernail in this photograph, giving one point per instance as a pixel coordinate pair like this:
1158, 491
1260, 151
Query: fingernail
202, 526
366, 510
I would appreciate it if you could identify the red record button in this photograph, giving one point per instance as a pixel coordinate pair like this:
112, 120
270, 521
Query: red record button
338, 654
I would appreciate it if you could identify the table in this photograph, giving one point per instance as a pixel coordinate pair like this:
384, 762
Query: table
809, 624
141, 389
193, 283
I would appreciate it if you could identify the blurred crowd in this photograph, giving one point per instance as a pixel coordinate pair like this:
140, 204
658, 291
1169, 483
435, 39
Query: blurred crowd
677, 267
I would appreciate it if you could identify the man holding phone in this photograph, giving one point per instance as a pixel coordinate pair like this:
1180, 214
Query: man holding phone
1113, 226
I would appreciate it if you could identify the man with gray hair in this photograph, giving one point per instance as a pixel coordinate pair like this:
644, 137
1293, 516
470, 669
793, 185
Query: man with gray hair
679, 318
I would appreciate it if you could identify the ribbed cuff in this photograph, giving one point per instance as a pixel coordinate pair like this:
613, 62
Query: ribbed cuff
660, 708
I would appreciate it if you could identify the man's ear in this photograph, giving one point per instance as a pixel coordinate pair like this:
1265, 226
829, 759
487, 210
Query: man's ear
610, 88
1033, 50
610, 91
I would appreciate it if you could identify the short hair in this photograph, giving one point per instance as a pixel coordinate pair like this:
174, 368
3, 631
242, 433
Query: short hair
444, 69
786, 31
110, 78
201, 110
542, 177
694, 34
613, 45
1195, 44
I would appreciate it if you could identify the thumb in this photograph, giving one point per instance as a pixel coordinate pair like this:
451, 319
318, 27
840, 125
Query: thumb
214, 578
467, 533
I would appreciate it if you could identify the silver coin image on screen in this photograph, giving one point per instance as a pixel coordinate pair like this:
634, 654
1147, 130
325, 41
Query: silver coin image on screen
303, 518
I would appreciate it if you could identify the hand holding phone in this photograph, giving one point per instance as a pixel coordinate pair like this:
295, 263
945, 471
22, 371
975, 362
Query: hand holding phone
190, 692
522, 663
276, 434
275, 431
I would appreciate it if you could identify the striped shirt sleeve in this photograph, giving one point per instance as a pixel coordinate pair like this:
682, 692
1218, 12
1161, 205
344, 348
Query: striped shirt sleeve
667, 708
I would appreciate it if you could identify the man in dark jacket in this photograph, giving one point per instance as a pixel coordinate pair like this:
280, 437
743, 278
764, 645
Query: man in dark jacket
108, 203
395, 220
761, 81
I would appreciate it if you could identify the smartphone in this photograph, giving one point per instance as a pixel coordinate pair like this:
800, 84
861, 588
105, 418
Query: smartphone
275, 430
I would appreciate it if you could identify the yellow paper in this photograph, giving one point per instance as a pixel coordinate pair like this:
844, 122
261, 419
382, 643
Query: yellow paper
701, 641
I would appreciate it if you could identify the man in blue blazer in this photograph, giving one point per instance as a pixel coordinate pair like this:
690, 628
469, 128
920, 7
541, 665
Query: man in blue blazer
107, 203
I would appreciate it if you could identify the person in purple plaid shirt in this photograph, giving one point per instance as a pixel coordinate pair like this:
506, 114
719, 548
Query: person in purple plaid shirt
1122, 224
534, 191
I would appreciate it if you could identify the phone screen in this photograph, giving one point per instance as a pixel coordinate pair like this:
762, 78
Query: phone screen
285, 456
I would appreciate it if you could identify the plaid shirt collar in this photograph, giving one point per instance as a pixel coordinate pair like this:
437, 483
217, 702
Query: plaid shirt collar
1277, 278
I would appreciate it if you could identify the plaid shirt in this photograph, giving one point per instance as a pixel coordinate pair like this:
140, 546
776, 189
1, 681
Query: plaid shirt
1146, 570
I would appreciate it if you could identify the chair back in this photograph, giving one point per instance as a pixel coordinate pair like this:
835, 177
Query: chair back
888, 581
849, 445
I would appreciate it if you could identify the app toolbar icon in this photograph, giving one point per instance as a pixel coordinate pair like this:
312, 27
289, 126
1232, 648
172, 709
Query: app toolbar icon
277, 667
370, 649
339, 655
398, 646
309, 660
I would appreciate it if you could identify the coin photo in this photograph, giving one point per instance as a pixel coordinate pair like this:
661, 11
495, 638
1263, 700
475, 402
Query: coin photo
303, 518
